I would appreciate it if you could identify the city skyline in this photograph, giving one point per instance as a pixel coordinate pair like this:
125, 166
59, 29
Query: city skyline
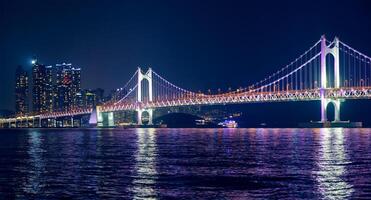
329, 72
53, 88
234, 50
187, 99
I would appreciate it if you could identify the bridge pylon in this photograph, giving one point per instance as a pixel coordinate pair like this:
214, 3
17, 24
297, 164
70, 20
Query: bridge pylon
144, 76
334, 51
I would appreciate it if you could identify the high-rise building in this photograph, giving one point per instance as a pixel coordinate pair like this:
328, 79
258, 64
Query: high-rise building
49, 89
68, 87
76, 87
21, 91
80, 100
90, 99
59, 88
39, 97
99, 93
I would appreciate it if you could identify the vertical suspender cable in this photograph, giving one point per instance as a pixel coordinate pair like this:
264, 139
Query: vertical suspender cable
359, 71
355, 71
349, 72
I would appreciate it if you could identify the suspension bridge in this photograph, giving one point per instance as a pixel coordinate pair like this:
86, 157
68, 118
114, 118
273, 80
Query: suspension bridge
329, 72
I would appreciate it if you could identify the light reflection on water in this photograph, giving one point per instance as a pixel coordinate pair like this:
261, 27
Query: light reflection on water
34, 184
332, 160
185, 164
145, 165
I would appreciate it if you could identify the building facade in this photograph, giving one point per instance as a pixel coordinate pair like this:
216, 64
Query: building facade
56, 88
39, 97
90, 99
21, 92
67, 87
49, 89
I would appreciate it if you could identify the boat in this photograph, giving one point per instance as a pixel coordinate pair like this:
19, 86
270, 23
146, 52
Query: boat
228, 124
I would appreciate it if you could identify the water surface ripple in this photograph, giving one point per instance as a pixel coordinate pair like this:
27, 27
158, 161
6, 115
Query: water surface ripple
185, 164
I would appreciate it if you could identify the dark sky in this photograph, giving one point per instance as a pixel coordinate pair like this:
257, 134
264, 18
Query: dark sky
194, 44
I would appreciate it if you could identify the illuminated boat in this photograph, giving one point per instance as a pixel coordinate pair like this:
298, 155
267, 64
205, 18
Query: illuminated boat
228, 124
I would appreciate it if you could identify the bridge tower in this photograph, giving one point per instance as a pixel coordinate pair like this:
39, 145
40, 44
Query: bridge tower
144, 76
334, 51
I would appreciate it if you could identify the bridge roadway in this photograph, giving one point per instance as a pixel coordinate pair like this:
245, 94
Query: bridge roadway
220, 99
248, 97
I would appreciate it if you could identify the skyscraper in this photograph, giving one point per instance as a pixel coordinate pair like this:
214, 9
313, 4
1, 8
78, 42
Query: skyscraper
68, 87
49, 89
76, 87
39, 97
99, 93
93, 98
59, 88
90, 99
21, 91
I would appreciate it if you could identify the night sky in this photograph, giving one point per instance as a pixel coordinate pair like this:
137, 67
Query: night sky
194, 44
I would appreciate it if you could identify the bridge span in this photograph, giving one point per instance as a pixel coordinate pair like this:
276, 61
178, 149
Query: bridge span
329, 72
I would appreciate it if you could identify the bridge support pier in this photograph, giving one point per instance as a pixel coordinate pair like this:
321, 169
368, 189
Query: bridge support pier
111, 120
139, 117
150, 112
102, 119
324, 105
140, 113
99, 117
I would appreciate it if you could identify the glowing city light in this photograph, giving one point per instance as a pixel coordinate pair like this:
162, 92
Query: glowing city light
298, 81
